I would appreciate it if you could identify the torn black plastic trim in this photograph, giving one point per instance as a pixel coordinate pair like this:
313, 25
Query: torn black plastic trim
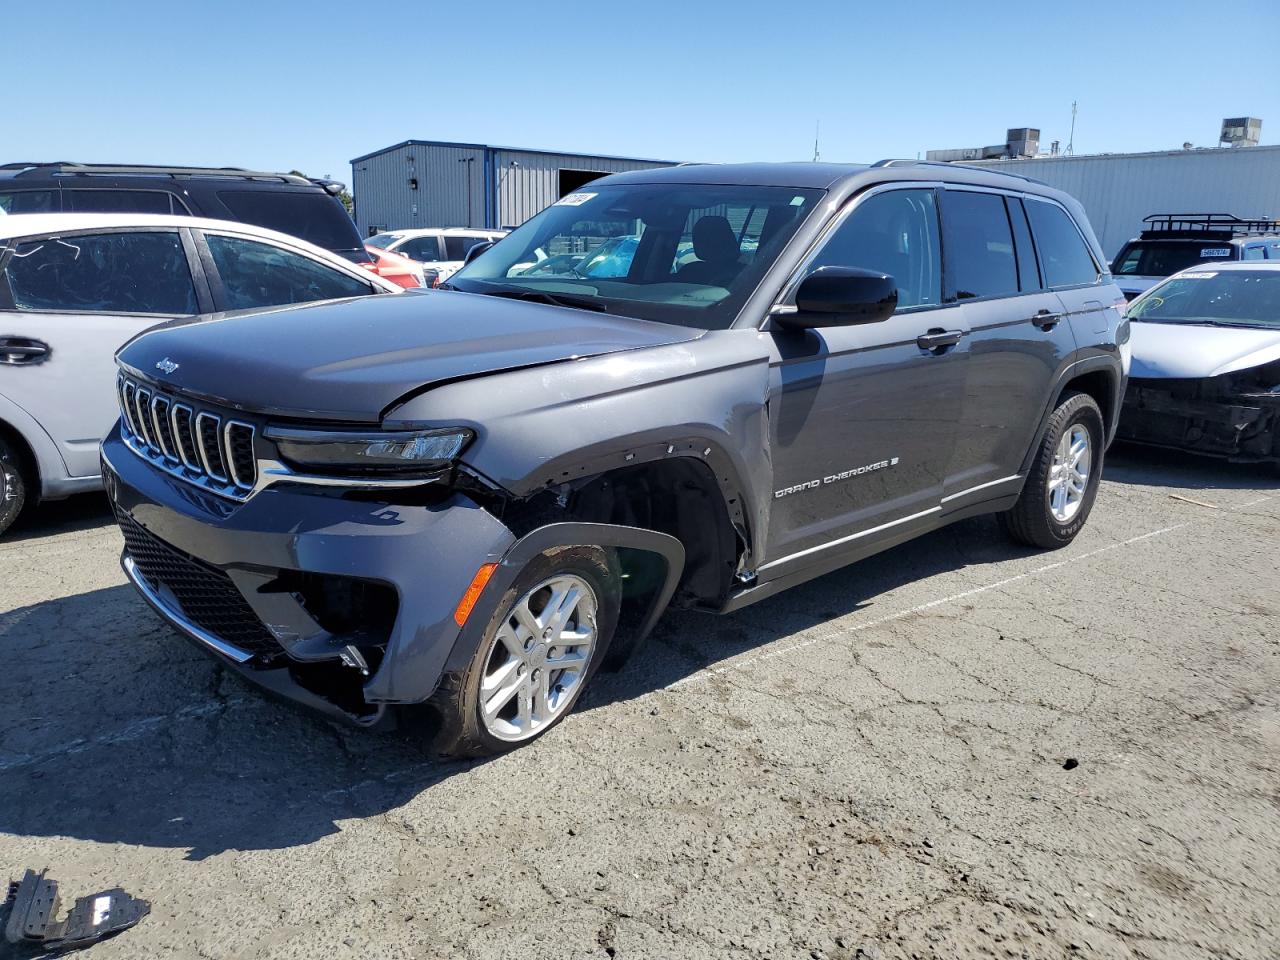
33, 904
1221, 416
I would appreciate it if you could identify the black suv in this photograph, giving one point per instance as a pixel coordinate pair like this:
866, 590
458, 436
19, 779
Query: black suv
303, 207
1175, 241
496, 488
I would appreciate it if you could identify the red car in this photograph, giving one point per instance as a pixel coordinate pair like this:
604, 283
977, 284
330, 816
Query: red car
399, 270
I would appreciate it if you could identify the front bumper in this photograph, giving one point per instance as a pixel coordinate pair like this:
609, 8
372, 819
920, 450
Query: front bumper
234, 578
1202, 416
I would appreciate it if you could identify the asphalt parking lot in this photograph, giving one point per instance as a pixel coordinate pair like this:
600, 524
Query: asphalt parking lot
872, 765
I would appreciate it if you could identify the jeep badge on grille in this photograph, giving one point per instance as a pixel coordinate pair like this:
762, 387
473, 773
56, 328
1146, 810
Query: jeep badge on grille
166, 365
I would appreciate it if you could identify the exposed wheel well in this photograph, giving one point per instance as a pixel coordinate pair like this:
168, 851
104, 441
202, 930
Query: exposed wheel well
26, 460
1099, 384
678, 496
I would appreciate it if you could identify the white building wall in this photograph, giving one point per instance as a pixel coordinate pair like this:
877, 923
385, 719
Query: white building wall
1118, 190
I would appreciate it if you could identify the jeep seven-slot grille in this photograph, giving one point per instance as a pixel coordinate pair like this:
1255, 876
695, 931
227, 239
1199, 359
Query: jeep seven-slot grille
198, 444
207, 596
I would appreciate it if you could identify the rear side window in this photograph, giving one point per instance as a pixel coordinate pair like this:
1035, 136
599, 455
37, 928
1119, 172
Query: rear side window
29, 201
1254, 253
122, 201
313, 216
456, 248
980, 250
895, 232
258, 275
421, 248
1063, 254
103, 273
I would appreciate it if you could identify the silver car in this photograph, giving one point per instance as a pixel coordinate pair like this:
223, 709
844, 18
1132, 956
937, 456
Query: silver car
76, 287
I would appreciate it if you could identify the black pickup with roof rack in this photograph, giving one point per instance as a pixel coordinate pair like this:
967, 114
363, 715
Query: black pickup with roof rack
306, 207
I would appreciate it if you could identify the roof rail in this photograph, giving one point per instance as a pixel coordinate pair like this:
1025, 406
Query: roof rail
947, 163
1218, 223
87, 169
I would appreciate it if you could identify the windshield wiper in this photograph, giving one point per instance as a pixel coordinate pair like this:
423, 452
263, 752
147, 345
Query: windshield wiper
541, 296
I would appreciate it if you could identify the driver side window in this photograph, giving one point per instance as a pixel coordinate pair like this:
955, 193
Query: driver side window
895, 232
260, 275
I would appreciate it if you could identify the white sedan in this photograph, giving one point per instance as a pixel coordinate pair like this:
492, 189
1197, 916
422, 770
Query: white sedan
1205, 374
74, 287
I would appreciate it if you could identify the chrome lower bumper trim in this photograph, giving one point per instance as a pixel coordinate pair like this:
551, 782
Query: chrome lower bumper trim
176, 619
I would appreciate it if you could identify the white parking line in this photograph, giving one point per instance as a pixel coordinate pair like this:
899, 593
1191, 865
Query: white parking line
747, 661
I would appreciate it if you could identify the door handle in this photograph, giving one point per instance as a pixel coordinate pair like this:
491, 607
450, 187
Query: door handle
937, 340
15, 351
1046, 319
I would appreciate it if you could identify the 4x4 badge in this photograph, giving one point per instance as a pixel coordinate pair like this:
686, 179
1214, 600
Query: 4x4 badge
166, 365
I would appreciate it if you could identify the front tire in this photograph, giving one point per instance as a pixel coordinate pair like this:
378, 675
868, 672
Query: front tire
13, 485
1063, 483
542, 645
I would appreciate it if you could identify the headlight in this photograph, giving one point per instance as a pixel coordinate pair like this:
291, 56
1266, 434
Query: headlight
400, 452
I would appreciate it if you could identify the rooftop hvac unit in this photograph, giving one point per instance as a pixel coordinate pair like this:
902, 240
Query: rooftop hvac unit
1241, 131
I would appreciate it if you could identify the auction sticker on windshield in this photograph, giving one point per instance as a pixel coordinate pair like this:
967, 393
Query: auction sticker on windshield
574, 199
1216, 252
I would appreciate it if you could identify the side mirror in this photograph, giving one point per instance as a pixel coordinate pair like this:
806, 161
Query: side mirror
475, 250
842, 296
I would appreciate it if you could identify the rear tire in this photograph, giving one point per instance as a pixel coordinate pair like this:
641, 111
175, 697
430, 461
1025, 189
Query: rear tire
521, 682
1063, 483
13, 485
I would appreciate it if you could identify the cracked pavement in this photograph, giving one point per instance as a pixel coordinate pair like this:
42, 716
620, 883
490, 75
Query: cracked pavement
957, 749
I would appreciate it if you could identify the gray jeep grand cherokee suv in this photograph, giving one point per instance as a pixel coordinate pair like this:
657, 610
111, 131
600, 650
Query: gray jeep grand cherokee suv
474, 498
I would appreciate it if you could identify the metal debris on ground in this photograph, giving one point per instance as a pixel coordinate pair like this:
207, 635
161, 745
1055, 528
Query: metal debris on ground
30, 910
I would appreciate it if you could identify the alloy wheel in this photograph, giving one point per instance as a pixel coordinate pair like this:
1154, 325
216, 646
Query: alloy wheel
538, 658
1069, 476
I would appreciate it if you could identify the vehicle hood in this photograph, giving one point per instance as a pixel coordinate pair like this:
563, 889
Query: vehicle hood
350, 360
1187, 352
1135, 285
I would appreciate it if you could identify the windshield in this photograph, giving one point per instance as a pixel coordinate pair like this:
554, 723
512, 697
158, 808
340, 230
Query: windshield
1237, 298
677, 253
382, 240
1160, 258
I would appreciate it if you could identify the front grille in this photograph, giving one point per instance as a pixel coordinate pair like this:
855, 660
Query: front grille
197, 443
207, 596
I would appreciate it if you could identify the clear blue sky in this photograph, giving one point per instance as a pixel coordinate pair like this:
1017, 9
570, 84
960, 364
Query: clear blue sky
309, 86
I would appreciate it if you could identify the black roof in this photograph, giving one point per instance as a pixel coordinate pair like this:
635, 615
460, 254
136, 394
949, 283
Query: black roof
829, 176
820, 175
39, 169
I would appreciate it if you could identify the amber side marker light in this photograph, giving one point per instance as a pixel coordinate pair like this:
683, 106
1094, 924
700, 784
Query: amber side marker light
469, 598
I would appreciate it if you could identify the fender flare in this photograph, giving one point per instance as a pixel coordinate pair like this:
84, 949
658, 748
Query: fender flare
1095, 364
572, 534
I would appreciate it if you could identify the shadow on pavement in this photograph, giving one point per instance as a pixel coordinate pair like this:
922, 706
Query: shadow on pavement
113, 729
85, 511
1131, 463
